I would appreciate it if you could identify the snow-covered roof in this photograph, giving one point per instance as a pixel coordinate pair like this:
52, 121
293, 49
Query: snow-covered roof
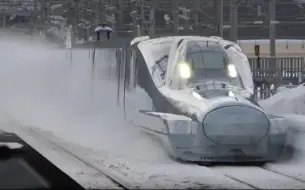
207, 38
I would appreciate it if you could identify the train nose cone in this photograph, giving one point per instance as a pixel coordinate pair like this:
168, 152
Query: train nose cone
238, 125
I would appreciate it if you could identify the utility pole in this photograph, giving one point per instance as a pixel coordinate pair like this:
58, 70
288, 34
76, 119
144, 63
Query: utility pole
4, 20
71, 18
43, 15
175, 11
152, 18
34, 17
148, 18
272, 31
272, 36
219, 16
120, 16
233, 20
196, 9
134, 20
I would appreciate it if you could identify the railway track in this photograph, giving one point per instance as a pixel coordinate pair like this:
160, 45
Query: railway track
285, 174
86, 175
260, 177
120, 183
251, 177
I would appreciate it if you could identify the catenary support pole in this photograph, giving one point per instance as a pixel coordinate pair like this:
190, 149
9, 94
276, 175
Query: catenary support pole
233, 20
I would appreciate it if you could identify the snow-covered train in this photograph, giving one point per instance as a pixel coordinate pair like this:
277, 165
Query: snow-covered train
196, 95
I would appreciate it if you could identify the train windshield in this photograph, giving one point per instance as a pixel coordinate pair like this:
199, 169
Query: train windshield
205, 63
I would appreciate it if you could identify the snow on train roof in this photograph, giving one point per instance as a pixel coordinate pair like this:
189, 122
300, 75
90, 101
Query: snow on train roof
173, 38
153, 49
147, 45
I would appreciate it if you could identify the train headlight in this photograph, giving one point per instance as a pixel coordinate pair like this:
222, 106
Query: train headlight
196, 95
184, 70
231, 94
232, 71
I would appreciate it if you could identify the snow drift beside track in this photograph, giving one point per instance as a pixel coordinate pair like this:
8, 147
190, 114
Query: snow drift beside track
290, 101
291, 105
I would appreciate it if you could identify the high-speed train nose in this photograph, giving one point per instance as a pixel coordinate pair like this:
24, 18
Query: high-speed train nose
238, 125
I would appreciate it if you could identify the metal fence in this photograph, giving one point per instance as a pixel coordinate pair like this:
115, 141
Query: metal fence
285, 68
269, 73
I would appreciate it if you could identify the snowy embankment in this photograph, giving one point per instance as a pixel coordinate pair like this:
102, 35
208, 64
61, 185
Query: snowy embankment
291, 105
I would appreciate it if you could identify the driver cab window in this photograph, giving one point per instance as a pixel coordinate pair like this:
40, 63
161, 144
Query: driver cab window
210, 63
205, 59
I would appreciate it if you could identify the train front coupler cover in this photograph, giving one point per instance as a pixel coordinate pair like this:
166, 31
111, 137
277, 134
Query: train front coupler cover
228, 133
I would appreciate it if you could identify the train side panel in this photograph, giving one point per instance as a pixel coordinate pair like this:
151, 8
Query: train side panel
142, 96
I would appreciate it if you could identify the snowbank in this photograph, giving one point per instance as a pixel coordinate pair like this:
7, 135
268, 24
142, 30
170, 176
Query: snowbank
290, 104
289, 101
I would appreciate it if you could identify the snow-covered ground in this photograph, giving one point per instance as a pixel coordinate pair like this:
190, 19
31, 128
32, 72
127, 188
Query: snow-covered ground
42, 97
289, 101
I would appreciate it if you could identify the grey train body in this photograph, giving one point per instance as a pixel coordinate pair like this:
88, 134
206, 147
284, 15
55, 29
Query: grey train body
201, 123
